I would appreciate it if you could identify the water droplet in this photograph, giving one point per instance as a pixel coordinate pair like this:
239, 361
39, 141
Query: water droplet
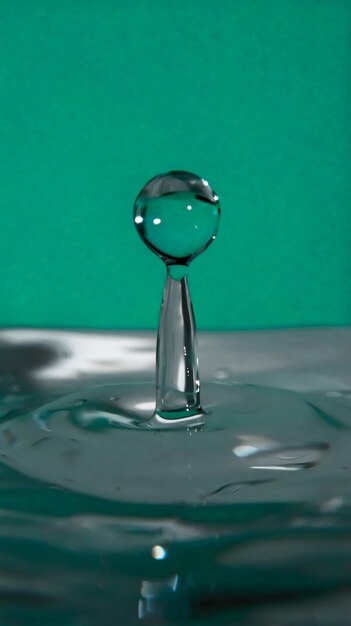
158, 553
177, 216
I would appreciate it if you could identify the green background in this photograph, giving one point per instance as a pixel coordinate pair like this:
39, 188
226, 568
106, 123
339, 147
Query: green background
97, 96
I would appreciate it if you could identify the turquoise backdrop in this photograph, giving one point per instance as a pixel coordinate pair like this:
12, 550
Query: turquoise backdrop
97, 96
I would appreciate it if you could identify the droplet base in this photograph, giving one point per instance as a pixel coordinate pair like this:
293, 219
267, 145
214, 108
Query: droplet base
249, 445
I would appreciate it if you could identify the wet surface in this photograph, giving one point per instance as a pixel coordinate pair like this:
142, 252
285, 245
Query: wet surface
82, 542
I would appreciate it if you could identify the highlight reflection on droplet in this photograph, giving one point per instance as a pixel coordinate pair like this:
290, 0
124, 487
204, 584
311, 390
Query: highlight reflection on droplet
185, 211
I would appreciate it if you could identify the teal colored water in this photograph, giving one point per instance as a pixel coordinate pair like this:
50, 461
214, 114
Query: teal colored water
100, 525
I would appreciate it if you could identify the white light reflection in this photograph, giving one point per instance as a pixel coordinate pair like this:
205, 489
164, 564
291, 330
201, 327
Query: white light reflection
158, 553
251, 444
145, 406
243, 451
88, 352
156, 221
181, 376
189, 207
138, 219
282, 468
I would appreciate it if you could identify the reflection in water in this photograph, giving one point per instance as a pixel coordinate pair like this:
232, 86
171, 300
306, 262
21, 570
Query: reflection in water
253, 444
22, 360
195, 549
54, 356
158, 598
296, 467
99, 442
275, 455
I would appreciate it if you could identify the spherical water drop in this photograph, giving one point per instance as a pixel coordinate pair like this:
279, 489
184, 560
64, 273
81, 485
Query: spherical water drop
177, 216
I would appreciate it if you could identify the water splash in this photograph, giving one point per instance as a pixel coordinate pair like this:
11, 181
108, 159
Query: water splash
195, 550
177, 217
